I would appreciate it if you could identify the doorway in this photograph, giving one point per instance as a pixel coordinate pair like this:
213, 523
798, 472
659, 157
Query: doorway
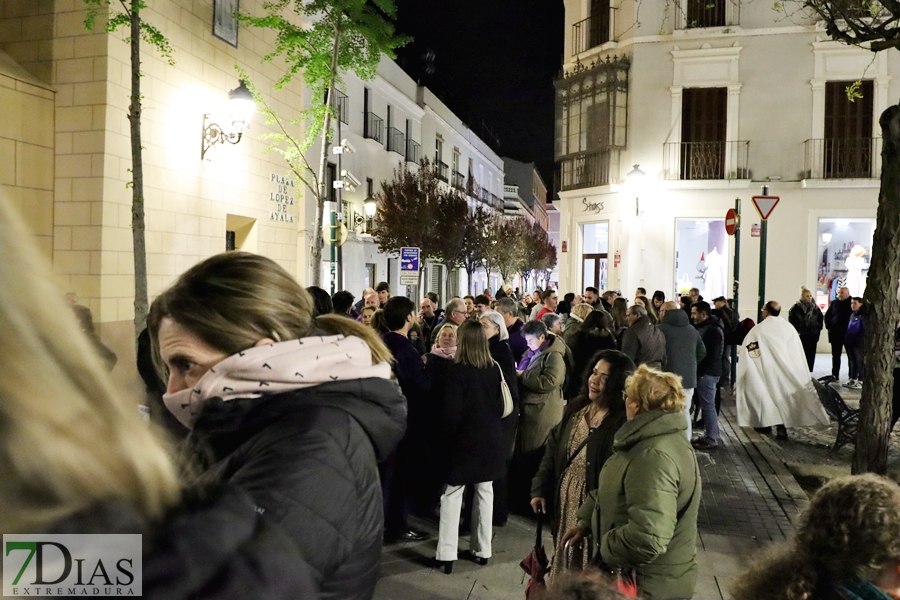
594, 270
595, 250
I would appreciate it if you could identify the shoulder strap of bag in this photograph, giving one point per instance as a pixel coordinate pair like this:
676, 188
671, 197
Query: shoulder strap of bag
502, 378
579, 448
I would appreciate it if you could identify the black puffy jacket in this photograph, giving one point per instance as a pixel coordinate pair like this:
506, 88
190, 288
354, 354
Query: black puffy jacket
215, 546
309, 460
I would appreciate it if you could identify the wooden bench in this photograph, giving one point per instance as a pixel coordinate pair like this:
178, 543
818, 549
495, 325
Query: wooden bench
847, 418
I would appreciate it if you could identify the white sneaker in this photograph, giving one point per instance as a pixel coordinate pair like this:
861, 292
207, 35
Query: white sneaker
858, 385
849, 384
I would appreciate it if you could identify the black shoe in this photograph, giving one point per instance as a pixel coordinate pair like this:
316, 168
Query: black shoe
762, 429
781, 433
703, 444
411, 535
469, 555
446, 565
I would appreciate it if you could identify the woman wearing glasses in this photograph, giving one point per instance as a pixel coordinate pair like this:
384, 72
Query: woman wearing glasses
643, 514
578, 448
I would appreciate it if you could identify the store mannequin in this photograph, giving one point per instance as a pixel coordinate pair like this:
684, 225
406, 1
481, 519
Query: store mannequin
855, 263
715, 278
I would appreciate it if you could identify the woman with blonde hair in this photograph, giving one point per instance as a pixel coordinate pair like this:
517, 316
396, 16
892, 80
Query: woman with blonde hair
296, 411
846, 547
77, 458
473, 450
574, 320
444, 342
643, 514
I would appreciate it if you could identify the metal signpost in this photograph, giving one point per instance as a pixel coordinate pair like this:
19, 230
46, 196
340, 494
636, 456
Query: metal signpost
764, 204
409, 266
733, 227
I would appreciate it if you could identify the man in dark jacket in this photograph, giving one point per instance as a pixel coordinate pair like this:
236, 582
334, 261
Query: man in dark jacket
709, 370
836, 319
643, 342
399, 315
684, 350
507, 308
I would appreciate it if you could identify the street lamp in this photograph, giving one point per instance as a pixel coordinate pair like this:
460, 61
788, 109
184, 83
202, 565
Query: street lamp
241, 106
371, 207
635, 180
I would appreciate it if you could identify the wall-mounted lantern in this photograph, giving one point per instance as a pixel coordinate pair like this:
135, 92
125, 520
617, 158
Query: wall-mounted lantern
241, 106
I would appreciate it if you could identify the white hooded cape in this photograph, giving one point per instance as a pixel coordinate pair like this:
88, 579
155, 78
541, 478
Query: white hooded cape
773, 381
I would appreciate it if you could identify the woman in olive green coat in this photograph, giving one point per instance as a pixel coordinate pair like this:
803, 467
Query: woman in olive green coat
643, 515
542, 374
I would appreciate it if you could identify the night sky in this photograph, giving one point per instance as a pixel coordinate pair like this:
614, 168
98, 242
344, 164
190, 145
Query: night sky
494, 63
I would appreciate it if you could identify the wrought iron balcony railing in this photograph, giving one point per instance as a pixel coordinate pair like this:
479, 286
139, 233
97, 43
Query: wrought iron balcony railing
589, 169
710, 13
412, 151
594, 31
396, 141
374, 127
442, 170
854, 158
340, 103
459, 180
497, 202
706, 160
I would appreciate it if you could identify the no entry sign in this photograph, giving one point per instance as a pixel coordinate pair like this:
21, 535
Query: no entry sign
731, 221
765, 205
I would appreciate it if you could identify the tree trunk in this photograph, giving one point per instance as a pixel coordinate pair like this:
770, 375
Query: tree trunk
881, 297
141, 301
317, 241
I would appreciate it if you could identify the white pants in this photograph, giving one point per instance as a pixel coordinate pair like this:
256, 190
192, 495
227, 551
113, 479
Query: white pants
688, 394
482, 521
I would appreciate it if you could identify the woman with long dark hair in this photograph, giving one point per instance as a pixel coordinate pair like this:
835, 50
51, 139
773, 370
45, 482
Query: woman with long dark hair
471, 443
578, 448
593, 335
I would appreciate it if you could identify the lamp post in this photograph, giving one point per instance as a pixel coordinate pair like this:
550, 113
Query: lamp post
371, 208
635, 180
241, 106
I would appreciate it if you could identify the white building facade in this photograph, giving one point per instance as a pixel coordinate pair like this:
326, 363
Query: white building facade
391, 123
714, 100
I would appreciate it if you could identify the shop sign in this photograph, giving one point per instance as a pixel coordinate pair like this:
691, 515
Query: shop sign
565, 246
282, 198
617, 258
756, 230
594, 207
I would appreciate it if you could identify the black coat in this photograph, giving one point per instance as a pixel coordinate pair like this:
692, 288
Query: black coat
501, 352
309, 459
472, 447
806, 318
599, 448
712, 332
216, 546
836, 319
584, 347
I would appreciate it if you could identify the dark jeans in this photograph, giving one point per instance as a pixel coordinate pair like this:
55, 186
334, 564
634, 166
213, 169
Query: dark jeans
836, 347
809, 349
855, 358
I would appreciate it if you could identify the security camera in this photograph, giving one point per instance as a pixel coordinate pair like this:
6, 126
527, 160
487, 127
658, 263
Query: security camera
345, 147
348, 178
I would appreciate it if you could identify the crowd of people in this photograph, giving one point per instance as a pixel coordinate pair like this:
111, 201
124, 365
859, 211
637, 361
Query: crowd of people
309, 427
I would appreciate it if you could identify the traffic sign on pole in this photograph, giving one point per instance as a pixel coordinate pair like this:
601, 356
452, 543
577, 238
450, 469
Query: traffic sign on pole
409, 266
731, 221
765, 205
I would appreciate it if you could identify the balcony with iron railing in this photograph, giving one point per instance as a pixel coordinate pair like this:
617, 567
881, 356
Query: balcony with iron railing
340, 103
442, 169
412, 151
695, 14
853, 158
373, 127
594, 31
706, 160
589, 169
485, 195
459, 180
497, 202
396, 140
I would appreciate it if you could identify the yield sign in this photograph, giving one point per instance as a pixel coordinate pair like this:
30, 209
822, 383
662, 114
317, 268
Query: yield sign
765, 205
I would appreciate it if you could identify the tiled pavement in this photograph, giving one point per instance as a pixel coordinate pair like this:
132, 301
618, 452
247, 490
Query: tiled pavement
749, 500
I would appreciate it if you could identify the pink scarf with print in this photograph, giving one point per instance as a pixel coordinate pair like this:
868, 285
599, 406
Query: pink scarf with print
276, 368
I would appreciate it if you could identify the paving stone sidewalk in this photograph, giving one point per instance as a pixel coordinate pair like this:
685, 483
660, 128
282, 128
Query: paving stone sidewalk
749, 500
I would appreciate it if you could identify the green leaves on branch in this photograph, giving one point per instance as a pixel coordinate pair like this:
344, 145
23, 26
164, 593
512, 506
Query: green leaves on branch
115, 20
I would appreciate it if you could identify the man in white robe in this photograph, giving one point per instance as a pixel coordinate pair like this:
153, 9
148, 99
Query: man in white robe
774, 386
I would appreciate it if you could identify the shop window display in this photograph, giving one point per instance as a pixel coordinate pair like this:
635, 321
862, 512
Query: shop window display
845, 248
701, 257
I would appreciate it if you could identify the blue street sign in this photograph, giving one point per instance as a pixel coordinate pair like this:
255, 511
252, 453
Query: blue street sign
409, 260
